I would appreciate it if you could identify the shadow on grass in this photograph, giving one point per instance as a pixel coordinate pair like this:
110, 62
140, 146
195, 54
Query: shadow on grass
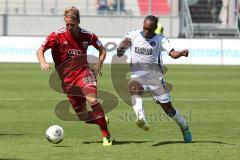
11, 134
181, 142
118, 142
59, 146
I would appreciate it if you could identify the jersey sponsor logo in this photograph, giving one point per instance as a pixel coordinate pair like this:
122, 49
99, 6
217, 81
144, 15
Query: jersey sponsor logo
89, 79
85, 44
144, 51
65, 42
74, 52
153, 43
99, 43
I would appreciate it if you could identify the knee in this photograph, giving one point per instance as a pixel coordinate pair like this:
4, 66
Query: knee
91, 99
135, 87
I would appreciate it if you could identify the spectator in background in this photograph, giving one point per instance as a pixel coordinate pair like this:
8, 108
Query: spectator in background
239, 15
159, 29
121, 4
103, 6
215, 7
200, 12
224, 12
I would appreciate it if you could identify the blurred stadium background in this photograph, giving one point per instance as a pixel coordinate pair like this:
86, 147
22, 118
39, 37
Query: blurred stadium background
180, 18
212, 23
206, 90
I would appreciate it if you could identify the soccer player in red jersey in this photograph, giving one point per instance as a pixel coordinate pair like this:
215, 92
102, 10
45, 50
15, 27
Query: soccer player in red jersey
69, 51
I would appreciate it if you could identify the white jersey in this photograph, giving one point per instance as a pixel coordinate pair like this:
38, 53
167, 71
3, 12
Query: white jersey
146, 54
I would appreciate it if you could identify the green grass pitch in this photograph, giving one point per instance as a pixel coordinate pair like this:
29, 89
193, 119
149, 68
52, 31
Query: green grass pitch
208, 96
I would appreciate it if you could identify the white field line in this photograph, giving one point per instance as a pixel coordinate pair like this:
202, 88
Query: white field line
146, 99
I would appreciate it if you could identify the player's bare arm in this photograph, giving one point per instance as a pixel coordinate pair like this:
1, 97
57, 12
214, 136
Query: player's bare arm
98, 67
41, 58
177, 54
123, 46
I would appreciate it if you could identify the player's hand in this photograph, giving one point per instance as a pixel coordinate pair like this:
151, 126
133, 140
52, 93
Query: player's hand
45, 66
120, 52
185, 52
123, 46
97, 68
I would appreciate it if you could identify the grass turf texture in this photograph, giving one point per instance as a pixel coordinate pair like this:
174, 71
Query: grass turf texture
208, 96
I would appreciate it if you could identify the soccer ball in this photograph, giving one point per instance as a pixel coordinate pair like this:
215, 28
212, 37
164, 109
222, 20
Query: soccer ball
55, 134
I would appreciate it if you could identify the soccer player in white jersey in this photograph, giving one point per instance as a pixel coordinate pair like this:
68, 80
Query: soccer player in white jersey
147, 72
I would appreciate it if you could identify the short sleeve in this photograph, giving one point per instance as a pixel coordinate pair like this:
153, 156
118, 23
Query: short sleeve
129, 35
50, 41
166, 45
95, 41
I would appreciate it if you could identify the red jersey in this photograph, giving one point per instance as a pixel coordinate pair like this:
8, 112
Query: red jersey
70, 56
65, 46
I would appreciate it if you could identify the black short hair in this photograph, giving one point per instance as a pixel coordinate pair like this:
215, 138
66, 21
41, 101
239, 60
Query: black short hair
152, 18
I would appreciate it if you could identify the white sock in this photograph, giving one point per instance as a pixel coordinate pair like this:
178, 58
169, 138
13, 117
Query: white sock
138, 106
180, 121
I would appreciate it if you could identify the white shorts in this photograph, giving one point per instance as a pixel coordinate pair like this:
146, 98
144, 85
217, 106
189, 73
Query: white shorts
156, 86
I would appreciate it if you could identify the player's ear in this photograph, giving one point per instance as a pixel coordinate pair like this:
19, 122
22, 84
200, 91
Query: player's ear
155, 27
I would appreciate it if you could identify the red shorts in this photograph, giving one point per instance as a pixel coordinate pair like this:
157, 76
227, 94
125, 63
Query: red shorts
77, 84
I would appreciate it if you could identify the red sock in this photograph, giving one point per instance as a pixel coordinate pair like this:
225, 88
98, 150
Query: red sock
98, 114
87, 117
103, 126
84, 115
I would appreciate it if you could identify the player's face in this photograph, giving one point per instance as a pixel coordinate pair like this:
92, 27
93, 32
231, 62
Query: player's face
149, 28
72, 25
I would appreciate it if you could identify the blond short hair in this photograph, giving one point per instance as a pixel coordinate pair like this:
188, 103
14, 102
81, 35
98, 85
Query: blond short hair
72, 13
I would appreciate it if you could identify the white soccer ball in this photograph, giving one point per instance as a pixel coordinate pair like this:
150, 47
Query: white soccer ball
55, 134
